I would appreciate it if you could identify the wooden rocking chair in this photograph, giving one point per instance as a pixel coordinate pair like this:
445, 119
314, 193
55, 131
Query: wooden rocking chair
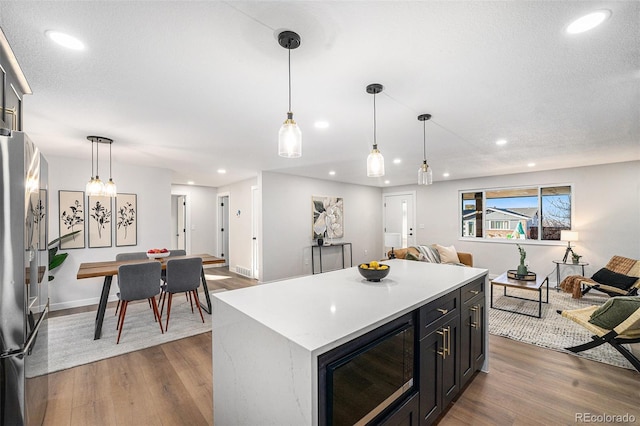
626, 332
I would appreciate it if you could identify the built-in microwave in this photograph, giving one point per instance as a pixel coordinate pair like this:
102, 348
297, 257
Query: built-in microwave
369, 375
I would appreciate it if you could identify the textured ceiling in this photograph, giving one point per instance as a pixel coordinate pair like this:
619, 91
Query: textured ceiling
198, 86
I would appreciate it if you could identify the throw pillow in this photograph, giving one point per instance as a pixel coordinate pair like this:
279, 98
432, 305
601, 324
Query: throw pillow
428, 254
614, 279
447, 254
411, 256
614, 311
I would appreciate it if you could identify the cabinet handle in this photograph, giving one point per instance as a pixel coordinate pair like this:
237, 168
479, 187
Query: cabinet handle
475, 292
444, 352
448, 341
442, 311
474, 323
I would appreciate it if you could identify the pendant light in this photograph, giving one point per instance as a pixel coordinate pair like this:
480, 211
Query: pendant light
290, 136
375, 160
110, 189
95, 185
425, 174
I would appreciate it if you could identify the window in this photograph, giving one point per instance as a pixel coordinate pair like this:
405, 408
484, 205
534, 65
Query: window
527, 213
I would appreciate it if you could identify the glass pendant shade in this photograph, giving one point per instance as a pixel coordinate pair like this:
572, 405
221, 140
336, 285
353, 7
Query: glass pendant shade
95, 187
110, 189
375, 164
290, 139
425, 175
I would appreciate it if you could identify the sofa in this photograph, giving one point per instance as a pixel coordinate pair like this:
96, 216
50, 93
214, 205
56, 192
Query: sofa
415, 253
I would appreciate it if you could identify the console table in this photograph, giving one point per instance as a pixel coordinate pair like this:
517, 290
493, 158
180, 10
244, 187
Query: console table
341, 245
560, 263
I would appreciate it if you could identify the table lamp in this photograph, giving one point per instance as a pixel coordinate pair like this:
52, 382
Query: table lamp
568, 236
392, 239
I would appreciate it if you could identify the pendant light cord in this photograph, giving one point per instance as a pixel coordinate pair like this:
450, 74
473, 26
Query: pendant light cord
97, 157
375, 143
289, 49
110, 160
91, 159
424, 140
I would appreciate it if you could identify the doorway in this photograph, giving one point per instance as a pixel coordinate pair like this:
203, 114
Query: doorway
223, 227
256, 214
399, 216
179, 222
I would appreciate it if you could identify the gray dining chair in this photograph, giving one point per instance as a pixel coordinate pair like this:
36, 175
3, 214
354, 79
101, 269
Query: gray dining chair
134, 255
138, 281
183, 275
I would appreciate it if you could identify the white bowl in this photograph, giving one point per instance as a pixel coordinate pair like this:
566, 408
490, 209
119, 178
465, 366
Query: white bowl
157, 255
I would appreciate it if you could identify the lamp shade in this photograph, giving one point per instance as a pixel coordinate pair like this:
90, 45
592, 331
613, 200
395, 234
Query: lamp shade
425, 174
392, 239
566, 235
375, 164
290, 139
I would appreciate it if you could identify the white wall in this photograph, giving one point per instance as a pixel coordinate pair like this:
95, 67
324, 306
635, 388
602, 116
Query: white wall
287, 216
152, 187
607, 211
201, 218
240, 238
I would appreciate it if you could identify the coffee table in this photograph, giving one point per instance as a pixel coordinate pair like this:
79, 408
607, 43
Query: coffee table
532, 285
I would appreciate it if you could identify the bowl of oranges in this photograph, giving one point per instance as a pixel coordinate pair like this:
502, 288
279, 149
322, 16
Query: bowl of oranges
373, 271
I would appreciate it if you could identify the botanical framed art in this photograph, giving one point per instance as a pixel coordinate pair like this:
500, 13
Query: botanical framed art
71, 218
328, 217
99, 221
126, 220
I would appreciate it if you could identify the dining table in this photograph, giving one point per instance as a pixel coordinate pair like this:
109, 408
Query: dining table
108, 269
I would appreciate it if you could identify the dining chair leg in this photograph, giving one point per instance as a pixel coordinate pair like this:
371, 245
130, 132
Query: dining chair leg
156, 314
163, 297
123, 312
166, 326
116, 313
195, 297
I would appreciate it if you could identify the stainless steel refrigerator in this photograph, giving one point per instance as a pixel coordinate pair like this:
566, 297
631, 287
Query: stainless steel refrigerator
24, 300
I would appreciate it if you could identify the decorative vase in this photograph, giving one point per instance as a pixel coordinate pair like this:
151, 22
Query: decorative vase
522, 269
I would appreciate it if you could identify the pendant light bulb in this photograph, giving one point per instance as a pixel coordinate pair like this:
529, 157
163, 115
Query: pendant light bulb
425, 174
375, 160
290, 136
95, 187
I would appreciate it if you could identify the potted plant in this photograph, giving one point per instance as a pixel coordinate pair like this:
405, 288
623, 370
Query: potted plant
522, 268
576, 257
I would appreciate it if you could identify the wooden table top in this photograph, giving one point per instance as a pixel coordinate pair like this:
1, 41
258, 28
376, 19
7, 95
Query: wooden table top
103, 269
525, 285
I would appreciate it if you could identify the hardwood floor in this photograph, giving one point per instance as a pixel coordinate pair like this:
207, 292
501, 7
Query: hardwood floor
171, 384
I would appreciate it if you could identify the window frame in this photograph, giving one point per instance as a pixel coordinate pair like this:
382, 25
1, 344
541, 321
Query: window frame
462, 228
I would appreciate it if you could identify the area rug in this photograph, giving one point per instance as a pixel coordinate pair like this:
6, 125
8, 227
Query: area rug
71, 336
552, 331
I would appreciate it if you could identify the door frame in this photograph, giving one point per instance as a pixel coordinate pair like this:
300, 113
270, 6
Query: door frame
187, 237
413, 195
219, 220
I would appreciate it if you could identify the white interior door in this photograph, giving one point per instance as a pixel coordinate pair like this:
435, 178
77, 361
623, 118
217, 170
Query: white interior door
255, 232
399, 216
223, 232
181, 222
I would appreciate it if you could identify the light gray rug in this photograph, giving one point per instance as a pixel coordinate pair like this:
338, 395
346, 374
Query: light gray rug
552, 330
71, 336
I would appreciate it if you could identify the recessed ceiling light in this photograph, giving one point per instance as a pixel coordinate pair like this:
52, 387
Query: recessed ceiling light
397, 161
531, 164
588, 22
445, 174
65, 40
501, 142
321, 124
222, 171
387, 182
332, 173
190, 182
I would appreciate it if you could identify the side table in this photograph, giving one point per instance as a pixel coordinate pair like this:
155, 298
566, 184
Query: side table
560, 263
341, 245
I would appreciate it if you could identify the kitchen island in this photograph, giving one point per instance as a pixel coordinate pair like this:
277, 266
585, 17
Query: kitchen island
267, 338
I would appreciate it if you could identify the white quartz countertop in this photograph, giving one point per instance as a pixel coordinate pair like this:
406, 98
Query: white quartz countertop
320, 312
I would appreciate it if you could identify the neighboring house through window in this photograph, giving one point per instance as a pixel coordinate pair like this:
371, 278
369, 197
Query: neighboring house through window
514, 213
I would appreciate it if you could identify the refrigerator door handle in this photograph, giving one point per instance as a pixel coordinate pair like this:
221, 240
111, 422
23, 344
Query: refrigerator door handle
32, 337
